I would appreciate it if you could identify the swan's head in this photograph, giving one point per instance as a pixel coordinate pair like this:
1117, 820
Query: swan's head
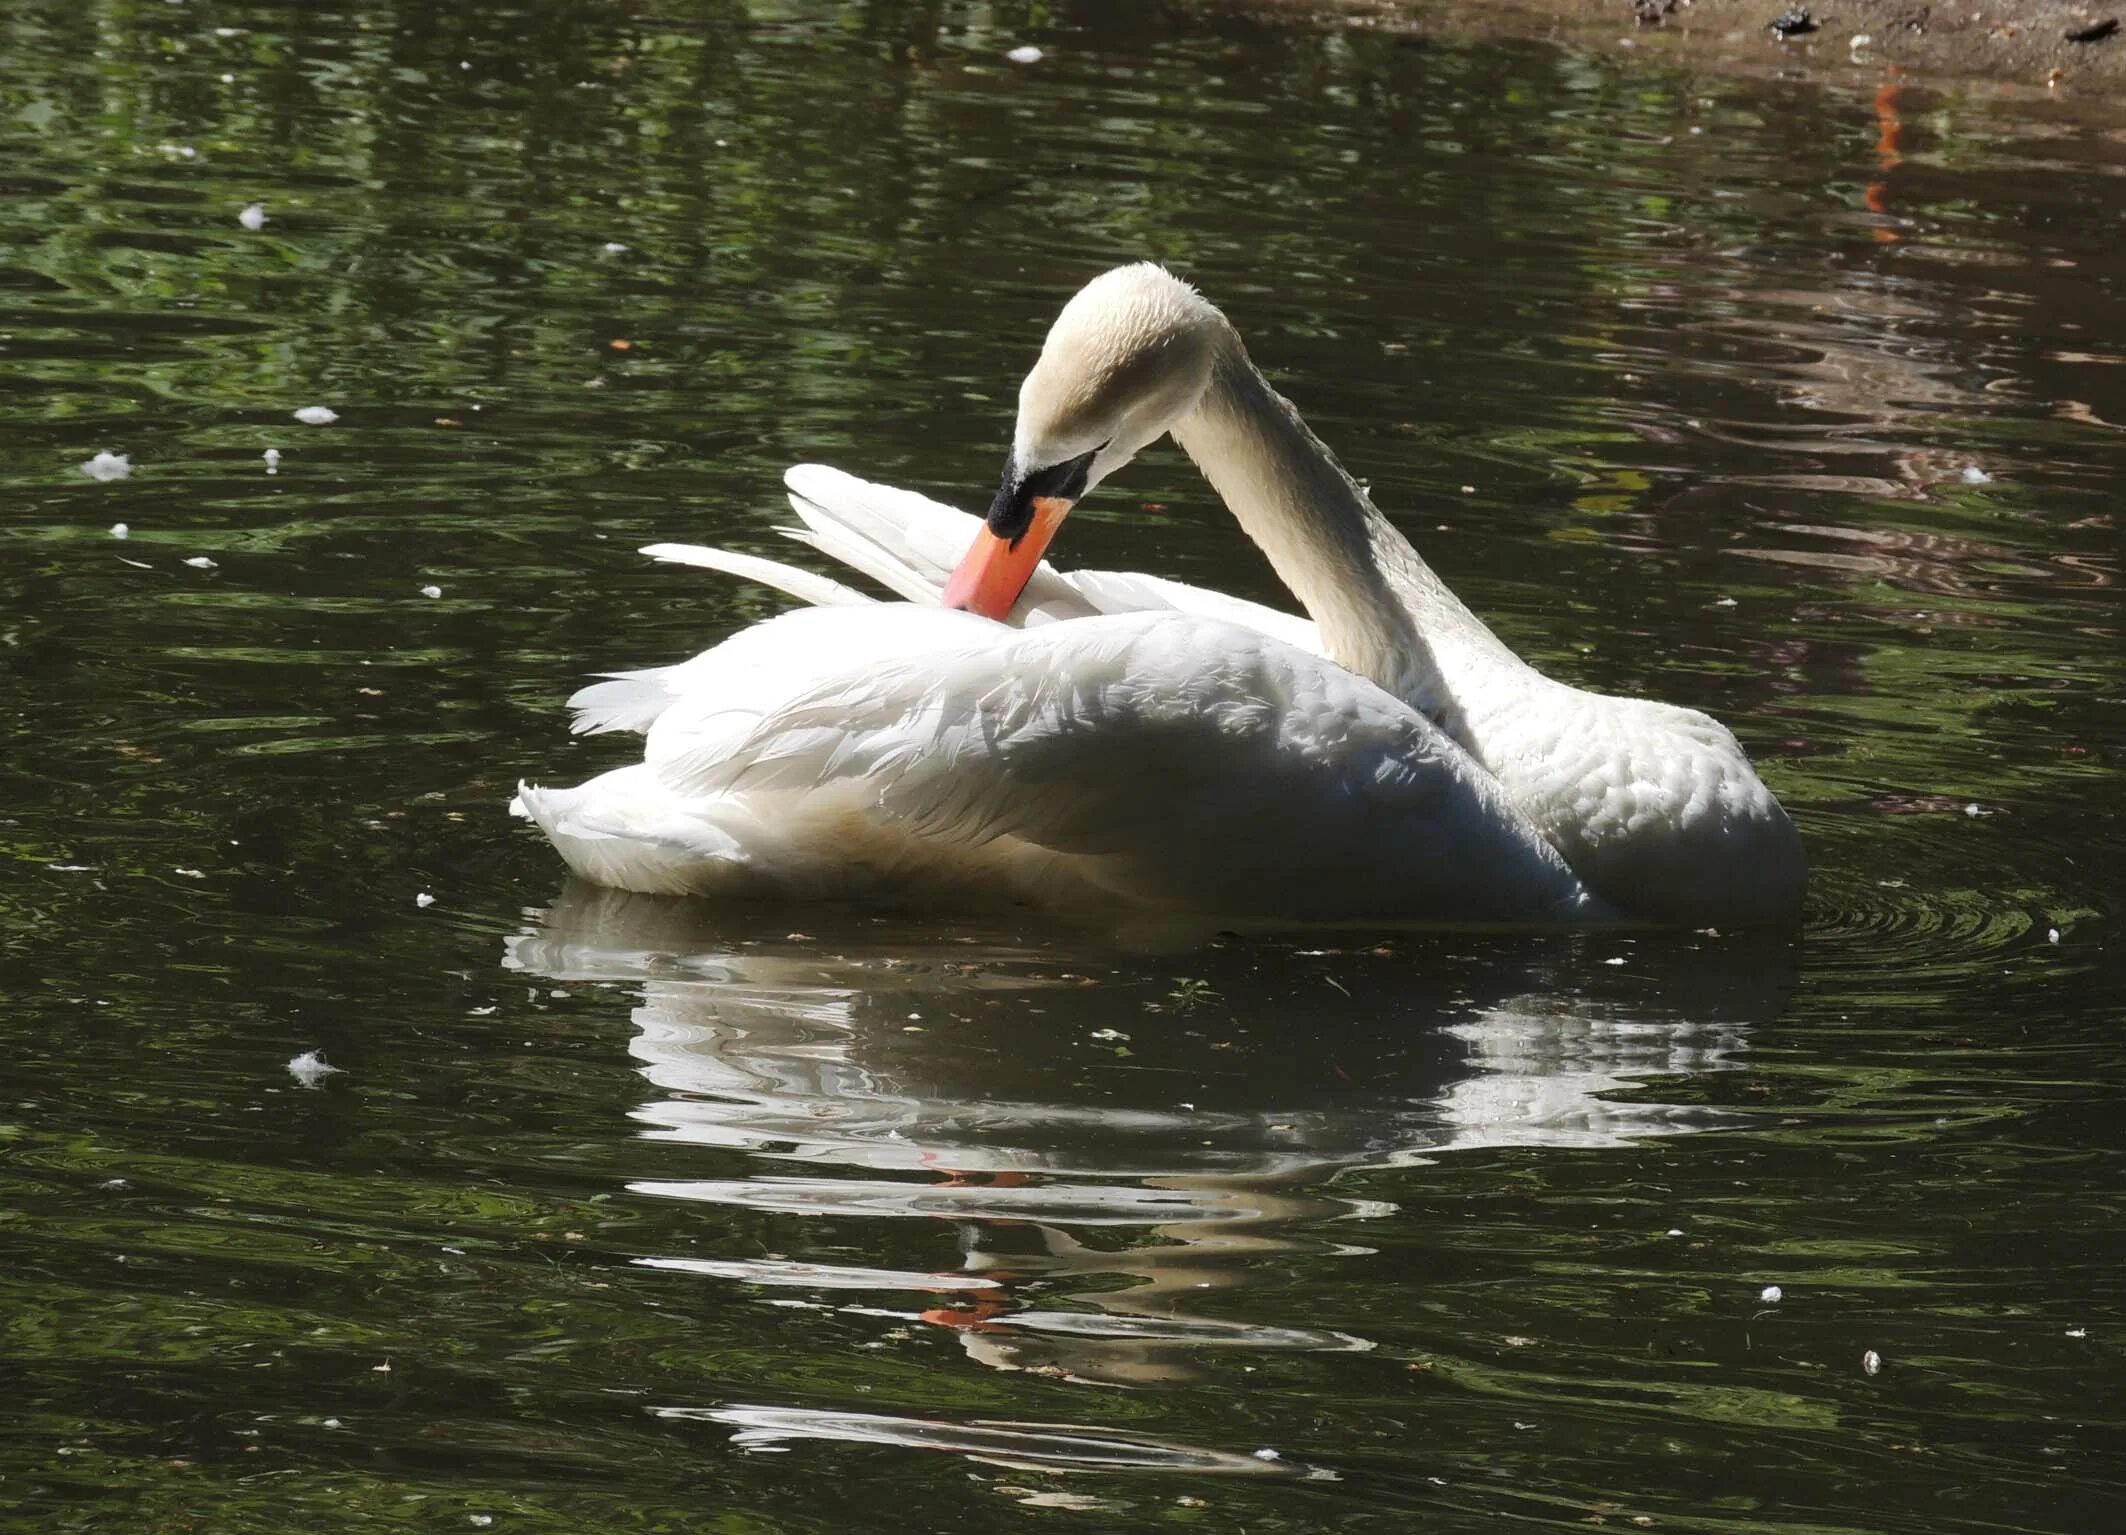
1127, 358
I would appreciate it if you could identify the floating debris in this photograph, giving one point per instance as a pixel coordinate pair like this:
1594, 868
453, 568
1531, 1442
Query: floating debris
2095, 32
1109, 1034
253, 216
1675, 1231
317, 415
424, 900
1026, 54
120, 530
1871, 1362
615, 248
2052, 935
310, 1068
1267, 1454
1973, 475
273, 460
177, 151
1771, 1295
431, 591
108, 466
201, 562
2077, 1332
1793, 23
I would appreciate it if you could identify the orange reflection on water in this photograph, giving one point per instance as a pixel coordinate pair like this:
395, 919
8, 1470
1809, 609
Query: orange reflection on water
1889, 153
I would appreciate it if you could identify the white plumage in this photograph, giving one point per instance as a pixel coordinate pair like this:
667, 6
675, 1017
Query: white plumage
1146, 761
1133, 742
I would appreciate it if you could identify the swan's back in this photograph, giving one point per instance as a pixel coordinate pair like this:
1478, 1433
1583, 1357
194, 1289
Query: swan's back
1149, 761
1655, 805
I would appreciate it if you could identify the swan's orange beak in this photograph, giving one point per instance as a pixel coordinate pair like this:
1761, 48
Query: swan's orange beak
995, 570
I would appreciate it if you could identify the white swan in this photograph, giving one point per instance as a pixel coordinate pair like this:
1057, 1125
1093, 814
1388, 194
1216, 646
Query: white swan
1138, 742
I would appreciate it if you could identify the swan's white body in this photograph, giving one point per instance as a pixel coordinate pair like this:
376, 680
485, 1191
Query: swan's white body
1127, 741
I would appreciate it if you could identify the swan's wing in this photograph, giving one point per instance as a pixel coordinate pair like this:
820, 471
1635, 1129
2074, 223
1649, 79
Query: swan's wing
906, 542
768, 661
910, 544
1164, 759
806, 586
1127, 591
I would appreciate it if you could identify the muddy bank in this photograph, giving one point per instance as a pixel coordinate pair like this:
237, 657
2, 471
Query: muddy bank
2058, 48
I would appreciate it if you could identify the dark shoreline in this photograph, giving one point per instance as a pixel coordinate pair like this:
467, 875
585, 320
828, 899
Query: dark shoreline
2016, 47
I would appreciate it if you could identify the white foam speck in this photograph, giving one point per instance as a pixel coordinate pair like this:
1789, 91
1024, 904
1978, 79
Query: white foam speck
1973, 475
200, 562
310, 1068
108, 466
614, 247
1771, 1295
317, 415
120, 530
253, 217
431, 591
1028, 54
424, 900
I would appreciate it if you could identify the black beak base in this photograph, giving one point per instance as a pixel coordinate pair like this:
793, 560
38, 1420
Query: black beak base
1011, 513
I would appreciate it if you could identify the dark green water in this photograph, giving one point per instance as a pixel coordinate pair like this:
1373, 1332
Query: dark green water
625, 1215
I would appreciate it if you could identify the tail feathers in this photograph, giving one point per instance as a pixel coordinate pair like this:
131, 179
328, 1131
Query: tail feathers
625, 701
613, 833
804, 585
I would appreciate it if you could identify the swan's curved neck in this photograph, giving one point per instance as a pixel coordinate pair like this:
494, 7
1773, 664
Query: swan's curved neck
1381, 610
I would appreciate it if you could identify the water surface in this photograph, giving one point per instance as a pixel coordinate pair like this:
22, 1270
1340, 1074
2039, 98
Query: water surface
1800, 406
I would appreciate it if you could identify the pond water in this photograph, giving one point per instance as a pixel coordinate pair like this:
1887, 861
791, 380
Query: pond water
1800, 405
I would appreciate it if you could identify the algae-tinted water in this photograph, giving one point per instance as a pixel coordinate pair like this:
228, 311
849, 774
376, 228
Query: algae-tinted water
1802, 407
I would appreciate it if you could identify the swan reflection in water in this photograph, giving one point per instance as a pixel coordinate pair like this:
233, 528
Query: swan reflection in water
1112, 1137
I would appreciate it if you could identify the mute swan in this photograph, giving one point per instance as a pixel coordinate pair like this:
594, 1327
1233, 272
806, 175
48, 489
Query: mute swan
1139, 742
